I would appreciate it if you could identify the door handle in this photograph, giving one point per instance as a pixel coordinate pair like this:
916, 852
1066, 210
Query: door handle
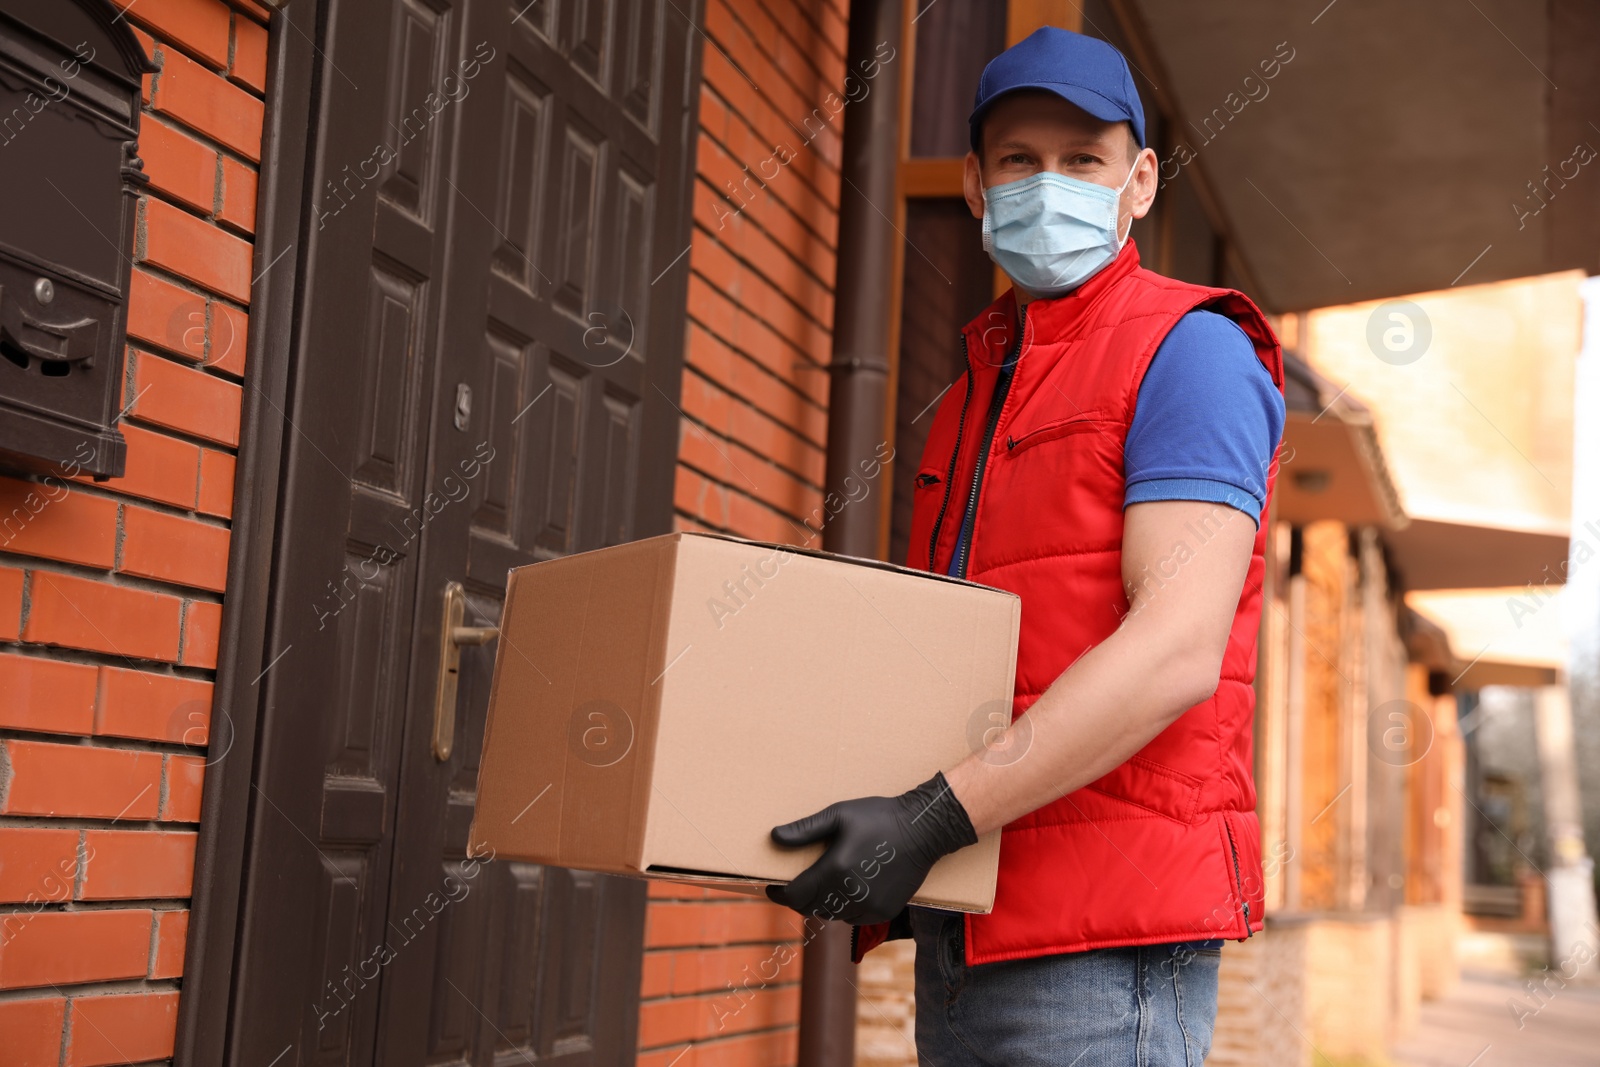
474, 635
452, 636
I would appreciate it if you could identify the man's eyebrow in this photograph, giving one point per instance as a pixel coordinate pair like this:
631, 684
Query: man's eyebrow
1095, 144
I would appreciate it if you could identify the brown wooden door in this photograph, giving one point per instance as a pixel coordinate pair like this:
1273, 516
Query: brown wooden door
486, 375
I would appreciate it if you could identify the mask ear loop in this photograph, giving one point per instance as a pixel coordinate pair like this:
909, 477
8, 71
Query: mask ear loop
1122, 240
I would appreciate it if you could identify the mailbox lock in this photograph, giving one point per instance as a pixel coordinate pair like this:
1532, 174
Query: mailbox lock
44, 291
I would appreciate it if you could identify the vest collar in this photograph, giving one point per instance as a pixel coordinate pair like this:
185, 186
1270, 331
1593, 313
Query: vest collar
1053, 319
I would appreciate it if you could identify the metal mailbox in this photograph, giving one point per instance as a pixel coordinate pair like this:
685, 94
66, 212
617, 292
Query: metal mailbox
70, 175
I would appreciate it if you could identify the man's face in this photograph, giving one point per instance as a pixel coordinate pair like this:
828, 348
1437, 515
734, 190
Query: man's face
1030, 131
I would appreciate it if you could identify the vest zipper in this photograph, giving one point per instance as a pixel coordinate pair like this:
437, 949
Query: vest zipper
983, 460
955, 454
1238, 882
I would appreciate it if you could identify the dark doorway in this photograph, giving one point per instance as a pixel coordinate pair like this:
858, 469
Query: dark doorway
484, 373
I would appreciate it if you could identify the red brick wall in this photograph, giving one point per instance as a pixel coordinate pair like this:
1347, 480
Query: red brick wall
721, 971
111, 593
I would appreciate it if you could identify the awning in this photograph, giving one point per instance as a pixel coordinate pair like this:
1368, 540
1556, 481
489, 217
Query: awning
1498, 636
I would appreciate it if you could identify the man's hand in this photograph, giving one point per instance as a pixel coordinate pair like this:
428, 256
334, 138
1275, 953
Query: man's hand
882, 849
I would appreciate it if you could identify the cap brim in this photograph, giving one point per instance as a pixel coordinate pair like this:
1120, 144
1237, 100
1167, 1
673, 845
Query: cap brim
1095, 104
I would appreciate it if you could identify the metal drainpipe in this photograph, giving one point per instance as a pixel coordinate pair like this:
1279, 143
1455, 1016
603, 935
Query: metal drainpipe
857, 404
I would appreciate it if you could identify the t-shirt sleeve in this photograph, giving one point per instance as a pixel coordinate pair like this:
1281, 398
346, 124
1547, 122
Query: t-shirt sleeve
1208, 419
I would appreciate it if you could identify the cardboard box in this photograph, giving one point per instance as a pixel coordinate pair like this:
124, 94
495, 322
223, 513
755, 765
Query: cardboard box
659, 706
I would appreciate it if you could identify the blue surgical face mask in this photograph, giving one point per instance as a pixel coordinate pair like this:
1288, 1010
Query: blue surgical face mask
1051, 233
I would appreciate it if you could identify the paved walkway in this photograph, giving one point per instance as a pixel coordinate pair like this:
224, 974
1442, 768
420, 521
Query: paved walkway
1475, 1026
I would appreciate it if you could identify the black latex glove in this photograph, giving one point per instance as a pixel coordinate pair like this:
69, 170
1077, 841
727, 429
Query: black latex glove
881, 850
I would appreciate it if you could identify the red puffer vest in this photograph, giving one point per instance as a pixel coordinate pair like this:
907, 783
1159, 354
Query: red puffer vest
1165, 847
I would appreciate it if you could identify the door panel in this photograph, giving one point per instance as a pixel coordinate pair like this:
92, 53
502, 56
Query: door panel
485, 377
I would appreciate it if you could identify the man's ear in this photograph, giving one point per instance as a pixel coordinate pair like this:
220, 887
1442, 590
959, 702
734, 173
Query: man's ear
1142, 189
972, 185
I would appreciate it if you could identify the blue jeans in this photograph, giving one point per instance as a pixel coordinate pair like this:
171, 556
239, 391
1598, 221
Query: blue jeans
1149, 1006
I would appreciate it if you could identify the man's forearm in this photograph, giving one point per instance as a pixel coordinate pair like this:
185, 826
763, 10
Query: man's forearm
1099, 712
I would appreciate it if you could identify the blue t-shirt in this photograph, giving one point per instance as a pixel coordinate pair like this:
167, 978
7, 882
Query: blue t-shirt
1208, 419
1206, 425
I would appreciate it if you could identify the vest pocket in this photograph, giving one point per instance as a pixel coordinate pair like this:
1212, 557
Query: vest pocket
1154, 787
1082, 422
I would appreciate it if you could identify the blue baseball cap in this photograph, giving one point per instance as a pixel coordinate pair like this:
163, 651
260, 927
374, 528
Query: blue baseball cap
1085, 71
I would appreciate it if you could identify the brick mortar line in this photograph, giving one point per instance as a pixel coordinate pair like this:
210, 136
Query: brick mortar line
161, 792
704, 945
84, 907
82, 867
822, 33
155, 76
84, 822
214, 219
84, 658
765, 370
740, 443
190, 365
199, 59
207, 139
101, 743
797, 520
150, 348
141, 253
111, 986
66, 1027
183, 647
727, 389
802, 49
239, 9
718, 479
721, 991
180, 435
811, 365
756, 267
743, 114
188, 285
805, 49
780, 332
774, 1030
122, 660
119, 535
802, 145
119, 579
831, 243
758, 272
155, 940
120, 496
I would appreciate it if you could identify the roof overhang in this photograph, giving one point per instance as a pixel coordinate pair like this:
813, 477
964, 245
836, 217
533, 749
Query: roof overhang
1508, 636
1430, 554
1402, 148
